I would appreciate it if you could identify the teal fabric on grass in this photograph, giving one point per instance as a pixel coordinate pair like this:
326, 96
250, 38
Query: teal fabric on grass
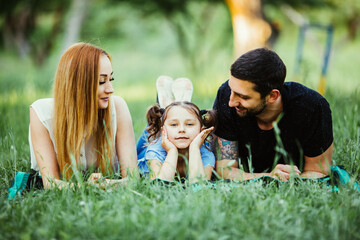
342, 176
23, 182
18, 184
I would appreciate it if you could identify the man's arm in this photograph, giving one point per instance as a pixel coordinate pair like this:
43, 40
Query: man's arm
319, 166
321, 133
227, 165
226, 157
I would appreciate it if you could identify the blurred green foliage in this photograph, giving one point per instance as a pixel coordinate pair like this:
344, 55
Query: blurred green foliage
31, 27
35, 28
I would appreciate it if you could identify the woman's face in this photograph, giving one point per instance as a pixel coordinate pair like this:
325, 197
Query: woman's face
105, 88
182, 126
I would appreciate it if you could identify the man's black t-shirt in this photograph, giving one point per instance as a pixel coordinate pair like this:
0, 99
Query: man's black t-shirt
305, 129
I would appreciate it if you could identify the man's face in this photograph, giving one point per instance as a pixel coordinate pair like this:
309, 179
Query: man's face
245, 100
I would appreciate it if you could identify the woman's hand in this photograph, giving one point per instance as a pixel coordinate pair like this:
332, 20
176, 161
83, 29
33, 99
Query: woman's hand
199, 140
96, 179
165, 142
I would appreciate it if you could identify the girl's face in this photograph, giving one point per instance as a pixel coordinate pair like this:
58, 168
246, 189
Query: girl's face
105, 88
182, 126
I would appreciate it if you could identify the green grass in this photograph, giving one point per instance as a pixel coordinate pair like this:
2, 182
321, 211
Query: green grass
249, 211
144, 211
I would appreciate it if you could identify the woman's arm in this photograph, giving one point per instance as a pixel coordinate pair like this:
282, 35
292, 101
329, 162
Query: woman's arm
196, 169
125, 139
44, 153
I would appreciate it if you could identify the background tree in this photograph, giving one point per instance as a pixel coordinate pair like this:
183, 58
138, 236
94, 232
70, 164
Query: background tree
77, 12
251, 27
189, 26
347, 13
24, 29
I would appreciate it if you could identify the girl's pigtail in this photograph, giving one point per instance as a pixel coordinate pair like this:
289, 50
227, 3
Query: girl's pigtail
209, 118
154, 116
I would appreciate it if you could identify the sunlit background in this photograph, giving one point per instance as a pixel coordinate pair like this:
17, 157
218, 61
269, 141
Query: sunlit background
194, 39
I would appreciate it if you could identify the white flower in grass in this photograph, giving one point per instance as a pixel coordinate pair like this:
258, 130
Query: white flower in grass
82, 203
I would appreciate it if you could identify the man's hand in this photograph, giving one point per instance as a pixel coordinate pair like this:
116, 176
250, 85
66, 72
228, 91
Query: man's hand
283, 172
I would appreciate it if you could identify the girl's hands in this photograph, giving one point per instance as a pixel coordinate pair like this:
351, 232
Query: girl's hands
165, 142
200, 138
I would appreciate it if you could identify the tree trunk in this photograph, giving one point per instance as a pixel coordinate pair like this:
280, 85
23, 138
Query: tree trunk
250, 29
352, 26
16, 29
76, 16
43, 51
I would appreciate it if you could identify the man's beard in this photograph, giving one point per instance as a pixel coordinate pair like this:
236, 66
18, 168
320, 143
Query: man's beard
252, 111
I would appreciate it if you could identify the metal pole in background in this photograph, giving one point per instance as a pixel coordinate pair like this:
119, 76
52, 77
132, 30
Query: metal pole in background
300, 48
329, 37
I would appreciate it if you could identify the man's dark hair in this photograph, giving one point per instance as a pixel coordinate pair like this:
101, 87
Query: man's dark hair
262, 67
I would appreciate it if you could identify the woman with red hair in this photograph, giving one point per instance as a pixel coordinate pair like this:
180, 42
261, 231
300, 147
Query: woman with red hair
83, 128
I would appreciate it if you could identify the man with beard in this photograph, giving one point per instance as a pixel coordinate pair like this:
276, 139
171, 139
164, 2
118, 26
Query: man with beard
268, 127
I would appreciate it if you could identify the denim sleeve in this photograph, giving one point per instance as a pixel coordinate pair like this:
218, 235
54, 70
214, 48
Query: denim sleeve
207, 156
155, 151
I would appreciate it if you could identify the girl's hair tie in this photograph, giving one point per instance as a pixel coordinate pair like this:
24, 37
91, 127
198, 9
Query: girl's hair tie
202, 112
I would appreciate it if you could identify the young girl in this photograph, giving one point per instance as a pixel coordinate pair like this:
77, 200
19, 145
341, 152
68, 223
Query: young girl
83, 127
180, 151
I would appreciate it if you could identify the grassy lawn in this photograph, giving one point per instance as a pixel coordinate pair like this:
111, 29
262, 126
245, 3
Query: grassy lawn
144, 211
